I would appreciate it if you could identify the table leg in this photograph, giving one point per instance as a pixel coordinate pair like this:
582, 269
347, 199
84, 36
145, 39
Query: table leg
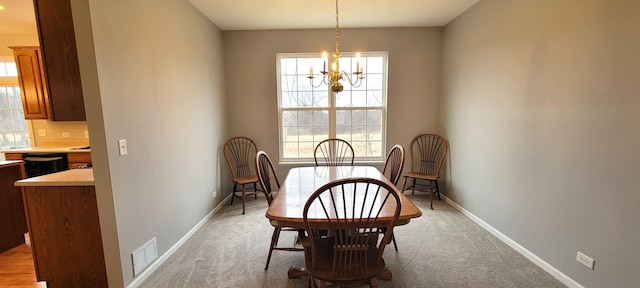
296, 273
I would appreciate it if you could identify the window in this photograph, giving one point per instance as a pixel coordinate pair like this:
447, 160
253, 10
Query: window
308, 115
13, 127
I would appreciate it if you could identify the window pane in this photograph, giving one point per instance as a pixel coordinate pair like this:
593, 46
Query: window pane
359, 117
4, 98
344, 133
374, 65
343, 117
290, 134
290, 150
343, 99
374, 99
374, 82
290, 118
14, 97
321, 118
21, 138
288, 83
6, 123
374, 133
288, 66
305, 118
289, 99
306, 149
12, 69
19, 122
374, 117
359, 98
321, 98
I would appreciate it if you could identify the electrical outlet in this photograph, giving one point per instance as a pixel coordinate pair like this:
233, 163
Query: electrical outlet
86, 134
42, 132
65, 134
585, 260
215, 194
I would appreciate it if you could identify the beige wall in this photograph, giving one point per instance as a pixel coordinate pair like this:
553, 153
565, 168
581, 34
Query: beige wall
152, 74
541, 110
55, 133
414, 78
7, 40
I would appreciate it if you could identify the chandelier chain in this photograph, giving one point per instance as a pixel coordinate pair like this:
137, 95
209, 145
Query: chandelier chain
337, 31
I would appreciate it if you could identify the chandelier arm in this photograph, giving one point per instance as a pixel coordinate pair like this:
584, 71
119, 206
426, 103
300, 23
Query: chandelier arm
356, 83
324, 81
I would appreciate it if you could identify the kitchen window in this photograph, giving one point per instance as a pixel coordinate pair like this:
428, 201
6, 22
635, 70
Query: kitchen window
308, 115
14, 131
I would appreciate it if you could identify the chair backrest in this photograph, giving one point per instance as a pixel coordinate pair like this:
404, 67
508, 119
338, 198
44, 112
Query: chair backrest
349, 214
239, 153
428, 152
266, 175
333, 152
395, 163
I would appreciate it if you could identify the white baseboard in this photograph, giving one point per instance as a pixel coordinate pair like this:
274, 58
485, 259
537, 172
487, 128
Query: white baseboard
147, 272
566, 280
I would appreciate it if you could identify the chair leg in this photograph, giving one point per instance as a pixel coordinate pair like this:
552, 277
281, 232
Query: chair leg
233, 192
438, 190
404, 184
393, 238
255, 189
431, 194
244, 198
274, 242
413, 187
373, 283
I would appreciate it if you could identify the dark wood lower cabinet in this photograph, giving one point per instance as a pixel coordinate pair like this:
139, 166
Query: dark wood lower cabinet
12, 220
65, 235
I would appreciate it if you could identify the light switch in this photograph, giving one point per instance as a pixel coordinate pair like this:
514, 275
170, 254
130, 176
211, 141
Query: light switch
86, 134
65, 134
42, 132
122, 147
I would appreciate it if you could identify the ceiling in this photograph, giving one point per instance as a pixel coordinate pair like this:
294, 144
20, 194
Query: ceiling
307, 14
19, 18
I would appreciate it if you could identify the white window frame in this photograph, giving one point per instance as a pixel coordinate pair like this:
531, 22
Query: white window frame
12, 81
332, 105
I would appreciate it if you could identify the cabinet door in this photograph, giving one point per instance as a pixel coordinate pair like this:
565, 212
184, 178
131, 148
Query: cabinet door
34, 97
60, 55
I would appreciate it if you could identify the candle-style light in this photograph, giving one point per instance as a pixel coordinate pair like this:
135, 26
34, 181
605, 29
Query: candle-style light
335, 75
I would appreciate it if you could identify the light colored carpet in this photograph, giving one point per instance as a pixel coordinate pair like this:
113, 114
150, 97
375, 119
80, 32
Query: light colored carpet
442, 248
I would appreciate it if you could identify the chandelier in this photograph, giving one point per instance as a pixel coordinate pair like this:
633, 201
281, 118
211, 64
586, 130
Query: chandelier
335, 74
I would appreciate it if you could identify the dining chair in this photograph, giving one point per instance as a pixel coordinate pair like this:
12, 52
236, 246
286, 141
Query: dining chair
267, 176
428, 152
333, 152
342, 222
240, 153
395, 164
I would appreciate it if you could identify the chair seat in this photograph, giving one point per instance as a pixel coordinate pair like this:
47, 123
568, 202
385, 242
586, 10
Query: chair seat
247, 180
421, 176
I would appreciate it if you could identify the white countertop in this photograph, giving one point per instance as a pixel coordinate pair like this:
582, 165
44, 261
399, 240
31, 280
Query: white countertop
50, 149
73, 177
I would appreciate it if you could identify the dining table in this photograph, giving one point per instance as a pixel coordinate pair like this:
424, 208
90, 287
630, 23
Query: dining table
286, 210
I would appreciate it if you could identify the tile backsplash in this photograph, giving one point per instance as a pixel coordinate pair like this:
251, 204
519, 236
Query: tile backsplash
59, 133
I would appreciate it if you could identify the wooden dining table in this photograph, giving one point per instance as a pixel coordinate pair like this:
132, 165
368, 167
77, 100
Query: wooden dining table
287, 207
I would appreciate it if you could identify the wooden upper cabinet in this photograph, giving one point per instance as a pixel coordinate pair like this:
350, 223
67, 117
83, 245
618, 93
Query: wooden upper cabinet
35, 101
60, 57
